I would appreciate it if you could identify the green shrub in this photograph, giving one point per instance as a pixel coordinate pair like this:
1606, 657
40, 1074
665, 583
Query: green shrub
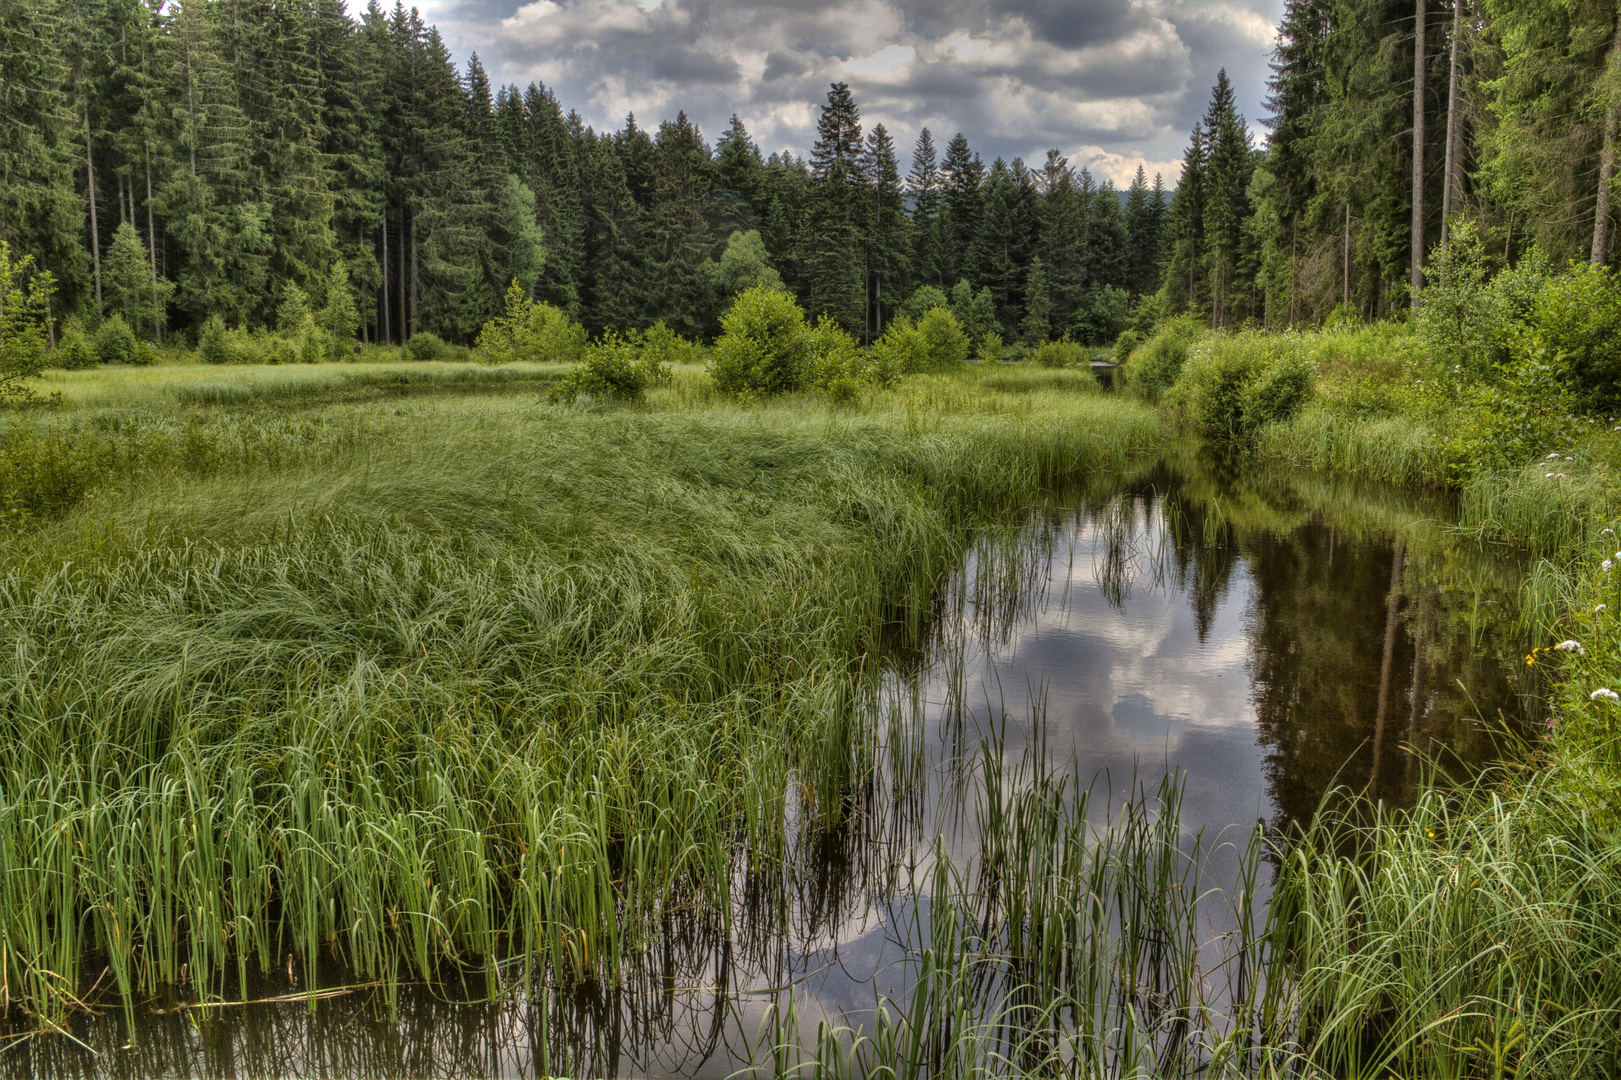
902, 350
834, 358
1575, 325
1155, 366
615, 368
214, 344
945, 343
531, 330
314, 344
1468, 319
1343, 319
1102, 314
1060, 353
116, 343
990, 349
1128, 340
1369, 371
662, 346
427, 345
75, 350
1232, 385
924, 299
764, 345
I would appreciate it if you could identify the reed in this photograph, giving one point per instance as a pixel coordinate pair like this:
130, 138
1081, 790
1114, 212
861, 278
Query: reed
448, 684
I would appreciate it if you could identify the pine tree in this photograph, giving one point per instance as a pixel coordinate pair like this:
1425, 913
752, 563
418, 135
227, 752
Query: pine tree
888, 231
739, 173
130, 289
1037, 305
41, 214
1142, 264
1226, 196
964, 177
1062, 238
1187, 277
681, 241
930, 246
834, 229
999, 252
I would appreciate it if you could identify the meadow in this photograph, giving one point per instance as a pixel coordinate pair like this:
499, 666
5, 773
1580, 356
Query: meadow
410, 670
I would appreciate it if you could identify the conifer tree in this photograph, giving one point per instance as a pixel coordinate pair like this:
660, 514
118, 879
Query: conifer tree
1037, 327
834, 229
963, 176
680, 237
739, 174
1062, 240
930, 246
1226, 199
887, 228
130, 288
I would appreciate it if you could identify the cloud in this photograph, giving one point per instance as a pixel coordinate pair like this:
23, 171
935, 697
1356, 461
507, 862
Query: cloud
1110, 83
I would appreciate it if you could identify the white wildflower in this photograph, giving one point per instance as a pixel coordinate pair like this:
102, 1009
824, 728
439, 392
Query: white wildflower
1605, 693
1571, 645
1552, 457
1601, 608
1607, 565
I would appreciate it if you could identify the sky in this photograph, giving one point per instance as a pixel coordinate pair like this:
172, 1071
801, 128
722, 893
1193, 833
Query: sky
1109, 83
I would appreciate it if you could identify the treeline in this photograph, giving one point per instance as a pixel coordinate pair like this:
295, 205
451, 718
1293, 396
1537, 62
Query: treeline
1391, 121
211, 158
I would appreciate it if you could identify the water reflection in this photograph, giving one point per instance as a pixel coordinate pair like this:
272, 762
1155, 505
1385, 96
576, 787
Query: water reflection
1270, 635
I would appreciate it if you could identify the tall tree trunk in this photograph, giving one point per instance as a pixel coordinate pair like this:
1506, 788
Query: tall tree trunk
1606, 165
1453, 172
387, 333
1416, 280
1391, 599
152, 251
1345, 275
90, 188
401, 282
416, 295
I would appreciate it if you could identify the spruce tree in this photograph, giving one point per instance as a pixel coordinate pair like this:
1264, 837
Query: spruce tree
1062, 237
834, 235
1226, 197
739, 174
963, 178
888, 231
129, 287
681, 240
1037, 328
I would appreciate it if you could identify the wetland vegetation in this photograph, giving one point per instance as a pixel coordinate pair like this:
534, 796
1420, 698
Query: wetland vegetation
460, 615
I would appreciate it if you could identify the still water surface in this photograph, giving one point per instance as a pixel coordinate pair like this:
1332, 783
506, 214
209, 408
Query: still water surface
1263, 635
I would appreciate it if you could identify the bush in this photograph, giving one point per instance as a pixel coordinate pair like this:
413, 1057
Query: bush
1370, 371
990, 349
1128, 340
834, 358
616, 368
314, 344
427, 345
1061, 353
531, 330
1575, 325
902, 350
945, 344
116, 343
1232, 385
75, 350
764, 346
1102, 313
662, 346
214, 345
975, 312
1154, 367
924, 299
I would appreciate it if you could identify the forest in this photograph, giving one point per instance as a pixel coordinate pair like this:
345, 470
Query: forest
172, 162
176, 162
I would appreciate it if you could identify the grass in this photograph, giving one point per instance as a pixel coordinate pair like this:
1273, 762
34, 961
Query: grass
487, 684
456, 681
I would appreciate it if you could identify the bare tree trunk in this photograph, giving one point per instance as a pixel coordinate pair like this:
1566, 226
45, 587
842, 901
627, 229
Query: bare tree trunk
1384, 670
1416, 281
416, 301
400, 284
387, 332
1294, 270
1451, 179
1606, 166
152, 251
90, 188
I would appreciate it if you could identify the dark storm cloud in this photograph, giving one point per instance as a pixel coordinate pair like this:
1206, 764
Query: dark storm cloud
1109, 82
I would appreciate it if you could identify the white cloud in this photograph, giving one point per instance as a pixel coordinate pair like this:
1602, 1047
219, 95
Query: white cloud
1110, 83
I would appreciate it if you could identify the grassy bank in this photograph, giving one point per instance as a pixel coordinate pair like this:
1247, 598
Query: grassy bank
452, 681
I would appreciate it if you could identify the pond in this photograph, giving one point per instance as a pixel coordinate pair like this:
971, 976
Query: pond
1243, 637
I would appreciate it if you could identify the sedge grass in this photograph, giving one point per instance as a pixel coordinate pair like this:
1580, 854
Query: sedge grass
462, 681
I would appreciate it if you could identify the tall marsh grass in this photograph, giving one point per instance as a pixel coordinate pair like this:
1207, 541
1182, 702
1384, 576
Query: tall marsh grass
473, 682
